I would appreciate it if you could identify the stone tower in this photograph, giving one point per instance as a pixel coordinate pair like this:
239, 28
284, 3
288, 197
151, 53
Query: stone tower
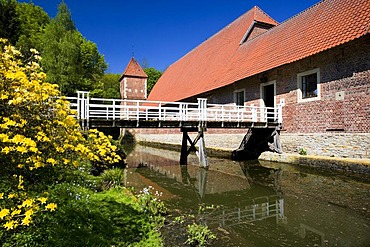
133, 82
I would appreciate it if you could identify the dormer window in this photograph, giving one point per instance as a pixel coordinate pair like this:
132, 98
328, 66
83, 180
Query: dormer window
256, 28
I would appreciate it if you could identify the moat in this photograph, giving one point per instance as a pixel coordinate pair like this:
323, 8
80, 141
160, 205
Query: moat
257, 203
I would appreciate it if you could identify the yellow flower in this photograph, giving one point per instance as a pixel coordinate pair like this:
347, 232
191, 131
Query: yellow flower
6, 150
27, 203
12, 195
20, 183
51, 161
26, 221
1, 195
51, 206
21, 149
4, 212
29, 212
42, 200
10, 225
3, 96
15, 212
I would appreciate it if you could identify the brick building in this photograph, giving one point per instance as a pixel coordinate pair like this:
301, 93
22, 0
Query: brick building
316, 64
133, 82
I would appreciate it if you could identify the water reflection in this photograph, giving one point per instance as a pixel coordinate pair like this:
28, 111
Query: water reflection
258, 204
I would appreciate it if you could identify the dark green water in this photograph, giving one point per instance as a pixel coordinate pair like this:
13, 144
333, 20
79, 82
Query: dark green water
258, 203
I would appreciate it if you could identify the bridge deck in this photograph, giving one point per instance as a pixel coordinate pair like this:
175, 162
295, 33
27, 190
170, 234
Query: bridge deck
121, 123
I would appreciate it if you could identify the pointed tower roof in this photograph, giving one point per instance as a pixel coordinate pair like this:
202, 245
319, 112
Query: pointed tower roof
133, 69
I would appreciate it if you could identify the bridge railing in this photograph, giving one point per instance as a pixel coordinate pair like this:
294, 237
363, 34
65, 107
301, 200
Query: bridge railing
144, 110
260, 208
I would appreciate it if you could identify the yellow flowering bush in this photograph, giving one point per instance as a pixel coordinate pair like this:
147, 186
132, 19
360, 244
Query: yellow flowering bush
38, 135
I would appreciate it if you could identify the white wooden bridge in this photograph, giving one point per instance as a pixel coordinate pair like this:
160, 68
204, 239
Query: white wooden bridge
190, 117
99, 112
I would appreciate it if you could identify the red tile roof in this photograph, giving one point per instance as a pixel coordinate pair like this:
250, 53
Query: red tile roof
221, 60
133, 69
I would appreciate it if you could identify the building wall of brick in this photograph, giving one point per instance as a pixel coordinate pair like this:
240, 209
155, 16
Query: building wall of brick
344, 70
133, 88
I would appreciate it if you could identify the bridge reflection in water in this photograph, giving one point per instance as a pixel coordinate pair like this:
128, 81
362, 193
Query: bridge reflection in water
256, 205
241, 194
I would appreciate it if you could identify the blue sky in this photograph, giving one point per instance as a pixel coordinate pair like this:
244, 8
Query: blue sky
159, 32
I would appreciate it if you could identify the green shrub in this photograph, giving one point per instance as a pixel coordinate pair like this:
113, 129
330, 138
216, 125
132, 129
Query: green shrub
112, 178
150, 203
199, 235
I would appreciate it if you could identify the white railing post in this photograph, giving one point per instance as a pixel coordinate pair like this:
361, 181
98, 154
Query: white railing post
264, 114
83, 107
223, 113
254, 113
127, 110
83, 104
78, 105
280, 114
137, 111
238, 113
159, 111
87, 106
114, 109
181, 113
186, 112
202, 109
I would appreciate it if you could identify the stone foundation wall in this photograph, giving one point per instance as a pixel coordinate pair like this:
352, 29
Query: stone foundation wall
342, 145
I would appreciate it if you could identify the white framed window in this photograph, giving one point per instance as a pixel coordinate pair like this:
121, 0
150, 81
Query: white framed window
239, 97
308, 84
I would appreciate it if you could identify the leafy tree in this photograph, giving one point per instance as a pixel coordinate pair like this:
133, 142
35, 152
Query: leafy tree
64, 17
33, 20
70, 60
39, 141
108, 87
153, 77
9, 21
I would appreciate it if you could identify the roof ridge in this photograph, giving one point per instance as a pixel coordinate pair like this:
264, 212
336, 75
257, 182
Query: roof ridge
267, 15
303, 11
287, 20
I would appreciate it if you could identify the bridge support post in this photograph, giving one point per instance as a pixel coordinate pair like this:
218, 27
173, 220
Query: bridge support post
256, 141
185, 151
